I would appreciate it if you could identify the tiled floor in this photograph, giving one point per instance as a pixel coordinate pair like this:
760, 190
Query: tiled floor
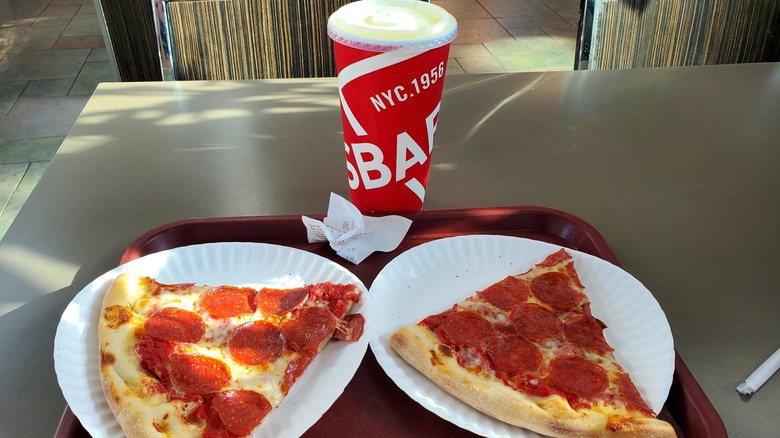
52, 56
497, 36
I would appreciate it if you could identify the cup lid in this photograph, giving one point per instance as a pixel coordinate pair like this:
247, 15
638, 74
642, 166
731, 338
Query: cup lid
384, 25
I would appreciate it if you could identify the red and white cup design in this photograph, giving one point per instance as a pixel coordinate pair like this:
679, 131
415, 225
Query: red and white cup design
390, 100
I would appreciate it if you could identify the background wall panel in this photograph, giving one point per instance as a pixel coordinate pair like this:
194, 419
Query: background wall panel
668, 33
250, 39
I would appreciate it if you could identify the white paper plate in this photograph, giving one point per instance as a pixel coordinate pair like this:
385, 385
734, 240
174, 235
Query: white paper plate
240, 264
430, 278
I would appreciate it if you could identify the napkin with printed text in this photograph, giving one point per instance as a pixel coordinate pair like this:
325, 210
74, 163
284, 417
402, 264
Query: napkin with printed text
354, 236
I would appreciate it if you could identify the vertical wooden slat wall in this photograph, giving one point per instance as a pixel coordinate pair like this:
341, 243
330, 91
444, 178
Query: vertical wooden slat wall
668, 33
130, 26
250, 39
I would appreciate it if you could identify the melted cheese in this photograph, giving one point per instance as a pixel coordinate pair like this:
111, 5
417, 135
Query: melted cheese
550, 348
264, 379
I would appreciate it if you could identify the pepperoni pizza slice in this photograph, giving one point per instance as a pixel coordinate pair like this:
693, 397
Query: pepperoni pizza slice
200, 361
528, 351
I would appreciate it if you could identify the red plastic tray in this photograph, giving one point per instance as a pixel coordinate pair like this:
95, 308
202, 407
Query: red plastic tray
372, 405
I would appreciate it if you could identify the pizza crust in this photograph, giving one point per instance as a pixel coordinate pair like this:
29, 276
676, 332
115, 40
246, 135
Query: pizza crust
140, 413
550, 415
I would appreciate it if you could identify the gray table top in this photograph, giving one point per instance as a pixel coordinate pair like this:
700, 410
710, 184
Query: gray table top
677, 168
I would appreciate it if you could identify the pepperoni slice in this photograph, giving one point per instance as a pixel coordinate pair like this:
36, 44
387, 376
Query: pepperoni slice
154, 353
339, 297
241, 410
555, 289
577, 375
294, 369
339, 308
281, 301
351, 328
433, 321
555, 258
506, 293
332, 291
196, 374
309, 328
464, 329
586, 331
228, 301
572, 273
631, 395
175, 325
512, 354
536, 322
256, 342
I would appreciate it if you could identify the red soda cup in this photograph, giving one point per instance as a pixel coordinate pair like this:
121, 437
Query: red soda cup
391, 58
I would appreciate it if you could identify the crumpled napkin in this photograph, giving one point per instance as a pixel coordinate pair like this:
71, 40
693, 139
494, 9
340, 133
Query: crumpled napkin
354, 236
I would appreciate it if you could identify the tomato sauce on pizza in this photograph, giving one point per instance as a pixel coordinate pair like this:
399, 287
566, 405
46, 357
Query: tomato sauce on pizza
528, 351
204, 361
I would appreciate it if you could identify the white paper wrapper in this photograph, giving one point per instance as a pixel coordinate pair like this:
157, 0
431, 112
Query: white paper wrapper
354, 236
760, 375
